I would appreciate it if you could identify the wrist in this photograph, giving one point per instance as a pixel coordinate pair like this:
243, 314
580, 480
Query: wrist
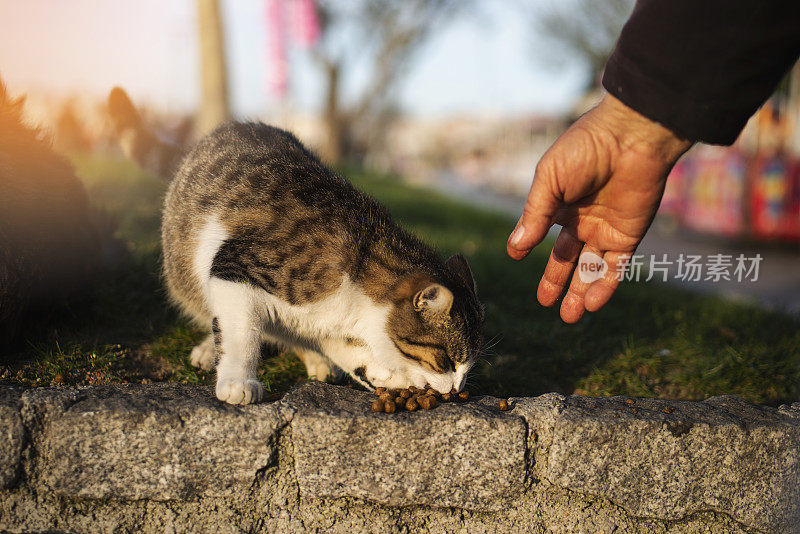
636, 132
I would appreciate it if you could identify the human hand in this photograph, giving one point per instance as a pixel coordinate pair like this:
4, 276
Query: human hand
602, 180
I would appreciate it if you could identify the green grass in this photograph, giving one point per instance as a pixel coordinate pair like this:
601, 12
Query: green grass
651, 340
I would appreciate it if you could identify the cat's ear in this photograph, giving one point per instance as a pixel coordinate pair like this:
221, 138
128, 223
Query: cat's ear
434, 298
459, 266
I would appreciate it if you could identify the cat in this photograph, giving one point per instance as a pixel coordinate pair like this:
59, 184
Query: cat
264, 243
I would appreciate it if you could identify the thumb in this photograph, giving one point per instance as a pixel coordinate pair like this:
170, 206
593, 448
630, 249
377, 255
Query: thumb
537, 217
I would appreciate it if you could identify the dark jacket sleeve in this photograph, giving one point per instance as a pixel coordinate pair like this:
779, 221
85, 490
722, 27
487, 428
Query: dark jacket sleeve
703, 67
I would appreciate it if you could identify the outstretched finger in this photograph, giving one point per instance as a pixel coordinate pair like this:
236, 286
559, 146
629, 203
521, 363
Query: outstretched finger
589, 269
601, 291
537, 216
559, 267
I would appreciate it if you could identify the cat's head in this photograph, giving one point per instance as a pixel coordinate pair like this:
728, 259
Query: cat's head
436, 326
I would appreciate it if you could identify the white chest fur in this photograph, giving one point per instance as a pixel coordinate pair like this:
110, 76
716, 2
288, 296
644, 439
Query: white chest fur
346, 312
247, 314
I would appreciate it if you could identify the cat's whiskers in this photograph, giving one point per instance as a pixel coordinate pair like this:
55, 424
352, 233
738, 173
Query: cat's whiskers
493, 342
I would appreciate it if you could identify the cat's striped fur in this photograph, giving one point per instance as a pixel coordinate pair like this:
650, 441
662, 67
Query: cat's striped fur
264, 242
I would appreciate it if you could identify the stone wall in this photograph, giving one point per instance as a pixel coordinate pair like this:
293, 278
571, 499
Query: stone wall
170, 458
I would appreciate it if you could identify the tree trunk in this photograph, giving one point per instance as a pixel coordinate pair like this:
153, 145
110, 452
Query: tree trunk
335, 124
214, 108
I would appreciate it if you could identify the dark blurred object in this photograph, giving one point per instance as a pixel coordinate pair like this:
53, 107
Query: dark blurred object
51, 242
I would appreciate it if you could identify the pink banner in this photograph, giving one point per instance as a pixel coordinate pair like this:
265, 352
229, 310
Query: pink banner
305, 23
276, 47
305, 31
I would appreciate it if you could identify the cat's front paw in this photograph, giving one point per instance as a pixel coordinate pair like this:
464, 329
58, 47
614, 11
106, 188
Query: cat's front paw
397, 380
239, 391
203, 355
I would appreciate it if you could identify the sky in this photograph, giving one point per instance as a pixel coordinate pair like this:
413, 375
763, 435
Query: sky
484, 62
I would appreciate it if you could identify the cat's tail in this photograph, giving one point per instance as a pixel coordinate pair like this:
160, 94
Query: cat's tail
138, 141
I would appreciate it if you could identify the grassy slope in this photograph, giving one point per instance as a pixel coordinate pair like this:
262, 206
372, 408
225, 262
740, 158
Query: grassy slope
650, 340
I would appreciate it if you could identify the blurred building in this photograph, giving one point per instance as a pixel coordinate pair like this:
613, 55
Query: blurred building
483, 152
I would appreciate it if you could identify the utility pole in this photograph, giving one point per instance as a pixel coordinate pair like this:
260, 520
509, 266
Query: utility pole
214, 109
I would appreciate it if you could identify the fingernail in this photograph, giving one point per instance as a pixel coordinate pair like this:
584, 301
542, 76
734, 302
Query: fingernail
517, 235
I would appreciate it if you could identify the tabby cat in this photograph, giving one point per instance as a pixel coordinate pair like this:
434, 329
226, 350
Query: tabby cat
263, 243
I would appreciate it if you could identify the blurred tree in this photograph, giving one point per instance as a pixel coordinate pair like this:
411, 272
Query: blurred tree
378, 38
214, 108
583, 29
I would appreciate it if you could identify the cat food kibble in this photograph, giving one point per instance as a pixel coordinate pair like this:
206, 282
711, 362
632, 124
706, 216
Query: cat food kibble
503, 405
428, 402
414, 398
